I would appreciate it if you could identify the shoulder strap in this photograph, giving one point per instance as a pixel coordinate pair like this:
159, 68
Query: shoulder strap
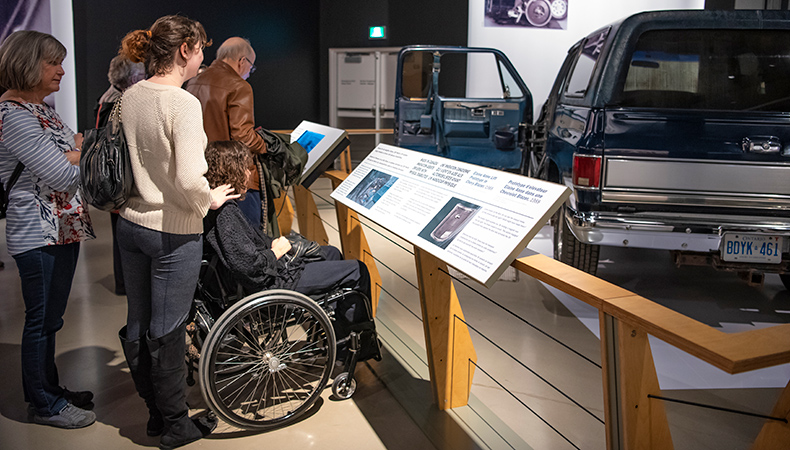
19, 167
14, 176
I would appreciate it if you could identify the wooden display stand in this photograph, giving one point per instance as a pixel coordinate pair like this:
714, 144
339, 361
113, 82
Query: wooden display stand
451, 354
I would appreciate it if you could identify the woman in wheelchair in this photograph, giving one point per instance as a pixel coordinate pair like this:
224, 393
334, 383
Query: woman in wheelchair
266, 358
257, 261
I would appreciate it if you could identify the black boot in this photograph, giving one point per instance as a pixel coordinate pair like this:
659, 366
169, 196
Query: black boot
168, 372
139, 361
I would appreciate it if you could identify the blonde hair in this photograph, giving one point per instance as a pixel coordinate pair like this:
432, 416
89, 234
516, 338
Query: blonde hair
21, 57
157, 47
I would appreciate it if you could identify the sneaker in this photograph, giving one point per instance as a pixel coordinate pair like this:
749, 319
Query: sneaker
69, 417
79, 399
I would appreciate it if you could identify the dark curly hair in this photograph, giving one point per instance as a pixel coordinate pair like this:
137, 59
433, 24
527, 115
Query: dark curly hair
158, 45
228, 162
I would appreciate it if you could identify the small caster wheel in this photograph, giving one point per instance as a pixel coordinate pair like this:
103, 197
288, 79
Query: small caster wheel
344, 386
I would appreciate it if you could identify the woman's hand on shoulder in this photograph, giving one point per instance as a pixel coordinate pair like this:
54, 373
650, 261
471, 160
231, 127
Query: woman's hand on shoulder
281, 246
221, 194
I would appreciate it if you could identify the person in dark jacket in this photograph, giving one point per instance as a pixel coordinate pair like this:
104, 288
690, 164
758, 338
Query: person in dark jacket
256, 260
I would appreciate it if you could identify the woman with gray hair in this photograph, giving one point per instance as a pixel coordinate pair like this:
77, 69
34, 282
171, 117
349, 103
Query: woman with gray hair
122, 75
46, 218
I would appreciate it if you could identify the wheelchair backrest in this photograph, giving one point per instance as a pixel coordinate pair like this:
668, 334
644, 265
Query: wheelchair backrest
216, 284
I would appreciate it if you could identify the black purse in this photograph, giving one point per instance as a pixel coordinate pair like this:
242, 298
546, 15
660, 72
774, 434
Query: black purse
105, 167
303, 248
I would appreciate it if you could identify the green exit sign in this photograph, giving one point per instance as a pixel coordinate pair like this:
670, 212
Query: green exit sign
377, 33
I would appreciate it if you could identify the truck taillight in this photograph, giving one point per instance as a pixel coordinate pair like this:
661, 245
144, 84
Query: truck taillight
586, 171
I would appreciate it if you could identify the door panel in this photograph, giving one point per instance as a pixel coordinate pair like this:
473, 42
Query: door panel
461, 103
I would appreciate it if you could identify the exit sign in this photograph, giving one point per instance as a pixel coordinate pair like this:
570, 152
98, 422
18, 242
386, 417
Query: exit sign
377, 33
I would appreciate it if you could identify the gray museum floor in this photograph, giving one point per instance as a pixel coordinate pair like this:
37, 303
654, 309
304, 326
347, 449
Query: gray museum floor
537, 384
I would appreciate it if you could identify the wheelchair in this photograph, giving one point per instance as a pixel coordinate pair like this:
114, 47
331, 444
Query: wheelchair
264, 359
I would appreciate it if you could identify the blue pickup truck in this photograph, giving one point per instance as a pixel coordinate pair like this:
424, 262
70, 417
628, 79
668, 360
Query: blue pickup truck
671, 127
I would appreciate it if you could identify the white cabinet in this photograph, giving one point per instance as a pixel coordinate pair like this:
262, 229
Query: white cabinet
362, 87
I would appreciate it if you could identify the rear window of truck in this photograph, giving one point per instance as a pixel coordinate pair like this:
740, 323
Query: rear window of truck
740, 70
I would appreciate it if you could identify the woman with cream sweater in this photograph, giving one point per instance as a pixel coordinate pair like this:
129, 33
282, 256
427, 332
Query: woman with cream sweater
159, 232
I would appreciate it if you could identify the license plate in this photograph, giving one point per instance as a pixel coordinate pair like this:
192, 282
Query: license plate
756, 248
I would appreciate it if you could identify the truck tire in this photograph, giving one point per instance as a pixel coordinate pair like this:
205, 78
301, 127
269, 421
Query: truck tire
569, 250
785, 280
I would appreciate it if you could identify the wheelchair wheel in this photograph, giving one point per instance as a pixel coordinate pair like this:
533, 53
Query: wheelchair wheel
344, 386
267, 359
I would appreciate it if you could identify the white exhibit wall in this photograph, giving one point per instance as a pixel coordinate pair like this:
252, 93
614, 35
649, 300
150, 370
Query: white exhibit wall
538, 53
63, 30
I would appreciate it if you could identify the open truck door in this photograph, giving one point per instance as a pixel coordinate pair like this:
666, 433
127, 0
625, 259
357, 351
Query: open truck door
467, 104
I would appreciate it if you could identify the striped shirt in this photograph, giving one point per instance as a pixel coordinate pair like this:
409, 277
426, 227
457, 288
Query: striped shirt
45, 207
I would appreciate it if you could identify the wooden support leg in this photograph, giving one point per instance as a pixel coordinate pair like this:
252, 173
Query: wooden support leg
345, 160
355, 246
633, 421
285, 212
310, 224
450, 351
775, 435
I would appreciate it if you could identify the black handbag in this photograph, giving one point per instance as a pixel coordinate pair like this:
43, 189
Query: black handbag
304, 248
105, 167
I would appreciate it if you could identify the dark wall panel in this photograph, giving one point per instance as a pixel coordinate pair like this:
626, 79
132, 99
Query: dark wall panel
285, 36
291, 39
345, 24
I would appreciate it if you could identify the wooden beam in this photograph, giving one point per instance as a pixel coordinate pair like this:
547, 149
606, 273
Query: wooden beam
730, 352
451, 355
775, 435
345, 160
645, 424
355, 245
310, 224
285, 213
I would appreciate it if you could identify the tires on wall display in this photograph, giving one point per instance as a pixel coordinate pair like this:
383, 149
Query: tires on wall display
559, 9
538, 12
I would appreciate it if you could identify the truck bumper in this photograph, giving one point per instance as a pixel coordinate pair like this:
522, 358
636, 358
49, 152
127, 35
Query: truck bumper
682, 232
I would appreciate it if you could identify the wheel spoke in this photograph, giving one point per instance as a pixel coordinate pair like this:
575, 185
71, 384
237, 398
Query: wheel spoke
270, 363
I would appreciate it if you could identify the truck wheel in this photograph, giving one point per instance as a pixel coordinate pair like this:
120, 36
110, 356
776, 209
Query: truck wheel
785, 280
569, 250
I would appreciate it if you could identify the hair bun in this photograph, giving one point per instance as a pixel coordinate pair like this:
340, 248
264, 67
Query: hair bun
135, 45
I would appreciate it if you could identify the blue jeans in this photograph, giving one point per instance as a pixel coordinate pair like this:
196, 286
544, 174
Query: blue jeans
160, 271
46, 274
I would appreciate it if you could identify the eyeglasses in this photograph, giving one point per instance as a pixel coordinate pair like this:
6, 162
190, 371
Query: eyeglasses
252, 66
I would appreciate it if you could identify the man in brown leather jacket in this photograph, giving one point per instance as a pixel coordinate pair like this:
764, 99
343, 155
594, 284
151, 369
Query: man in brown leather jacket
228, 109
